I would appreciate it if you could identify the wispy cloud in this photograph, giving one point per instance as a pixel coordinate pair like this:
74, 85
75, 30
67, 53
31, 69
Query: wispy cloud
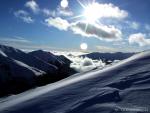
33, 6
17, 42
106, 49
57, 13
15, 39
24, 44
64, 12
48, 12
139, 39
58, 23
135, 25
23, 15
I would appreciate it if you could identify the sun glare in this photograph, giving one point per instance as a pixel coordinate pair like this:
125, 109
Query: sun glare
83, 46
91, 12
64, 3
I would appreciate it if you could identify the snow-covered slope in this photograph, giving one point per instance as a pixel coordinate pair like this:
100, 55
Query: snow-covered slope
30, 60
121, 88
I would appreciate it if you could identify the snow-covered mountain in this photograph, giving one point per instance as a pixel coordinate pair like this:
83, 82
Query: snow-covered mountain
30, 60
47, 57
61, 62
16, 76
108, 56
121, 88
20, 71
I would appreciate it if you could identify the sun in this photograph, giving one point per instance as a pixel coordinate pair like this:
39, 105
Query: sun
83, 46
91, 13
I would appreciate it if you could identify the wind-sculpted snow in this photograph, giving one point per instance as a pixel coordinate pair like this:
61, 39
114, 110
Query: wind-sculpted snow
121, 88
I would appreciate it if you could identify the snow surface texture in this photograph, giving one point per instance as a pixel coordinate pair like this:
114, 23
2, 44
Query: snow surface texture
121, 88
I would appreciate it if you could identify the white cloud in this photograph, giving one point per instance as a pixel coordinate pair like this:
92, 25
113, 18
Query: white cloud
33, 6
95, 30
57, 22
106, 11
139, 39
109, 33
85, 64
23, 15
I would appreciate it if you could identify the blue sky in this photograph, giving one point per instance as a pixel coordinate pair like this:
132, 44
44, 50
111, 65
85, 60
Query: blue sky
53, 24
